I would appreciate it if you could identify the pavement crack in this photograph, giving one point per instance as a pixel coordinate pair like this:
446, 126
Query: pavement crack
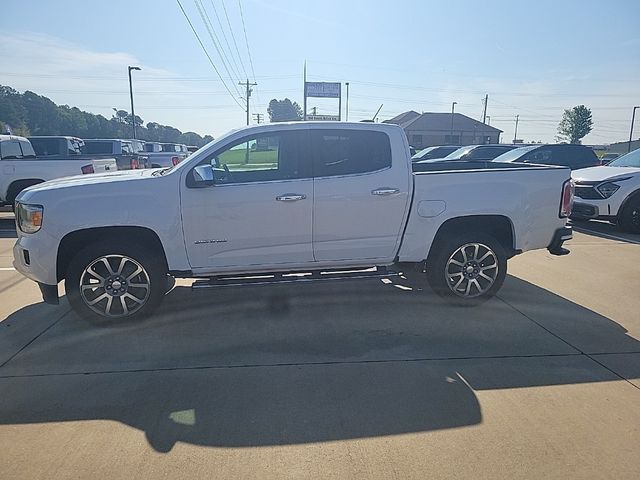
285, 364
34, 339
589, 356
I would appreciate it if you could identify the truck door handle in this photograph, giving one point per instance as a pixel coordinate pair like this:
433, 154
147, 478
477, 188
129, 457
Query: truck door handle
385, 191
290, 197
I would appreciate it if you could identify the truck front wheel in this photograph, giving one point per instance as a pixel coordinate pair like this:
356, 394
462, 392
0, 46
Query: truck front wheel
467, 269
107, 283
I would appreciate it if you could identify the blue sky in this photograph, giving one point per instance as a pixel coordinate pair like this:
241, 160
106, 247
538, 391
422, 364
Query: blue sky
533, 58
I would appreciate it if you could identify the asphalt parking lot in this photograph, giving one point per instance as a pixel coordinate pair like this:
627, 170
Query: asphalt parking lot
342, 380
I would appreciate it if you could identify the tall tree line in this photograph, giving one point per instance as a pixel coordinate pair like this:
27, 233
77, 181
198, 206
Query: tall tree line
31, 114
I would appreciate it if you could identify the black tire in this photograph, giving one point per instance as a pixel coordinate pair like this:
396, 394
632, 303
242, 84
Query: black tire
16, 187
629, 219
124, 288
443, 277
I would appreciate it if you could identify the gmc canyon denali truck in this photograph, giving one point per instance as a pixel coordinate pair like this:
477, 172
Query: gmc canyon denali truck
287, 202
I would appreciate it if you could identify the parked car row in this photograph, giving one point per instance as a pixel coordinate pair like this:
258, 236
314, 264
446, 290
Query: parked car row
605, 189
566, 155
33, 160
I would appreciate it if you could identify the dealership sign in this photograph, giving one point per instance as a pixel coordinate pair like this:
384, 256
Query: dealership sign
322, 89
332, 118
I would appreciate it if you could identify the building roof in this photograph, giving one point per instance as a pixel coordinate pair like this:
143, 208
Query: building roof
403, 118
438, 121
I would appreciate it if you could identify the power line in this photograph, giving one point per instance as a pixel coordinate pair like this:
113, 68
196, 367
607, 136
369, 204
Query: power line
233, 37
246, 40
207, 54
236, 72
226, 40
205, 19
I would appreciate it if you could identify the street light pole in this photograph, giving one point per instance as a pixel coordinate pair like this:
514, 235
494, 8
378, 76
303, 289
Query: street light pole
633, 118
133, 115
515, 134
453, 106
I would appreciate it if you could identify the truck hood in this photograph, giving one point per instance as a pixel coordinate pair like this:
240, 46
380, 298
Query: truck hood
600, 174
83, 181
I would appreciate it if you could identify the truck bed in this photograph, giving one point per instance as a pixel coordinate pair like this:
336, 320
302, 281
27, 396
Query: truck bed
527, 195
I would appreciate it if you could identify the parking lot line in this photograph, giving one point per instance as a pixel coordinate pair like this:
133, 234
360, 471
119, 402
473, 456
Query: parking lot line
7, 269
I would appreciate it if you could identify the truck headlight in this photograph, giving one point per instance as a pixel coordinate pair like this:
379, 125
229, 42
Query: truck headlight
607, 189
29, 217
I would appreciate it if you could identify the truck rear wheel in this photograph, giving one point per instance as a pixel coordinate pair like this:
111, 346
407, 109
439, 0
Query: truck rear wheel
108, 283
467, 269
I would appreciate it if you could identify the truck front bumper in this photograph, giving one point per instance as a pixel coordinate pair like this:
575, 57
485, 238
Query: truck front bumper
34, 256
560, 236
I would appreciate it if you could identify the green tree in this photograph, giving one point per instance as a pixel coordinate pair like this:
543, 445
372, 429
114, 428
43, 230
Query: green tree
31, 114
284, 110
576, 123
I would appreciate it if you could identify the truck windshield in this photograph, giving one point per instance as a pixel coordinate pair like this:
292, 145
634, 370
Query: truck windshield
629, 160
459, 153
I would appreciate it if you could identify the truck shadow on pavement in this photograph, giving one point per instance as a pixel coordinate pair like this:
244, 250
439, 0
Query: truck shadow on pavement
314, 363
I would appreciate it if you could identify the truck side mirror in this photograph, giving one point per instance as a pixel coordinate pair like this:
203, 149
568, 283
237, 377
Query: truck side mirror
201, 177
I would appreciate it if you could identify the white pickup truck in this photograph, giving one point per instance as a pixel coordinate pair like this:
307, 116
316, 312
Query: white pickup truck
283, 203
21, 168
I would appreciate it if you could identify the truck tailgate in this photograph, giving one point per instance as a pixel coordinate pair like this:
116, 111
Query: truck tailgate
104, 165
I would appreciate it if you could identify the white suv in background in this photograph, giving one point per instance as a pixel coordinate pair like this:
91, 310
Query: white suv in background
610, 192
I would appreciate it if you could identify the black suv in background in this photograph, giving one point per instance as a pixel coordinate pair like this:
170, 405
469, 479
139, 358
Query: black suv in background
566, 155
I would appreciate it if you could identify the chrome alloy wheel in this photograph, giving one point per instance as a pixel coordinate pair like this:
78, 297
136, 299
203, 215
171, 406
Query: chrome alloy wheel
114, 286
471, 270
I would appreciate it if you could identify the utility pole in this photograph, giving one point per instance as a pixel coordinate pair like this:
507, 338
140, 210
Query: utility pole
633, 118
453, 107
304, 92
249, 90
133, 115
346, 117
484, 114
258, 117
515, 134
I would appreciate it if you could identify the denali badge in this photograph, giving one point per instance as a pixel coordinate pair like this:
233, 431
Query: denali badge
200, 242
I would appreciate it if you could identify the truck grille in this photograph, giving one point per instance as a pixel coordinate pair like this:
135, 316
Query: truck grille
587, 192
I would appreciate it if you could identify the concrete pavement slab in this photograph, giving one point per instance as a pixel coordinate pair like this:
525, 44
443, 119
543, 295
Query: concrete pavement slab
626, 365
295, 324
601, 275
16, 331
553, 417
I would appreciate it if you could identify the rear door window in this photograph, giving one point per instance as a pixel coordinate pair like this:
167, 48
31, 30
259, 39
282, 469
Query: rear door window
98, 147
349, 152
541, 156
46, 146
578, 157
27, 150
